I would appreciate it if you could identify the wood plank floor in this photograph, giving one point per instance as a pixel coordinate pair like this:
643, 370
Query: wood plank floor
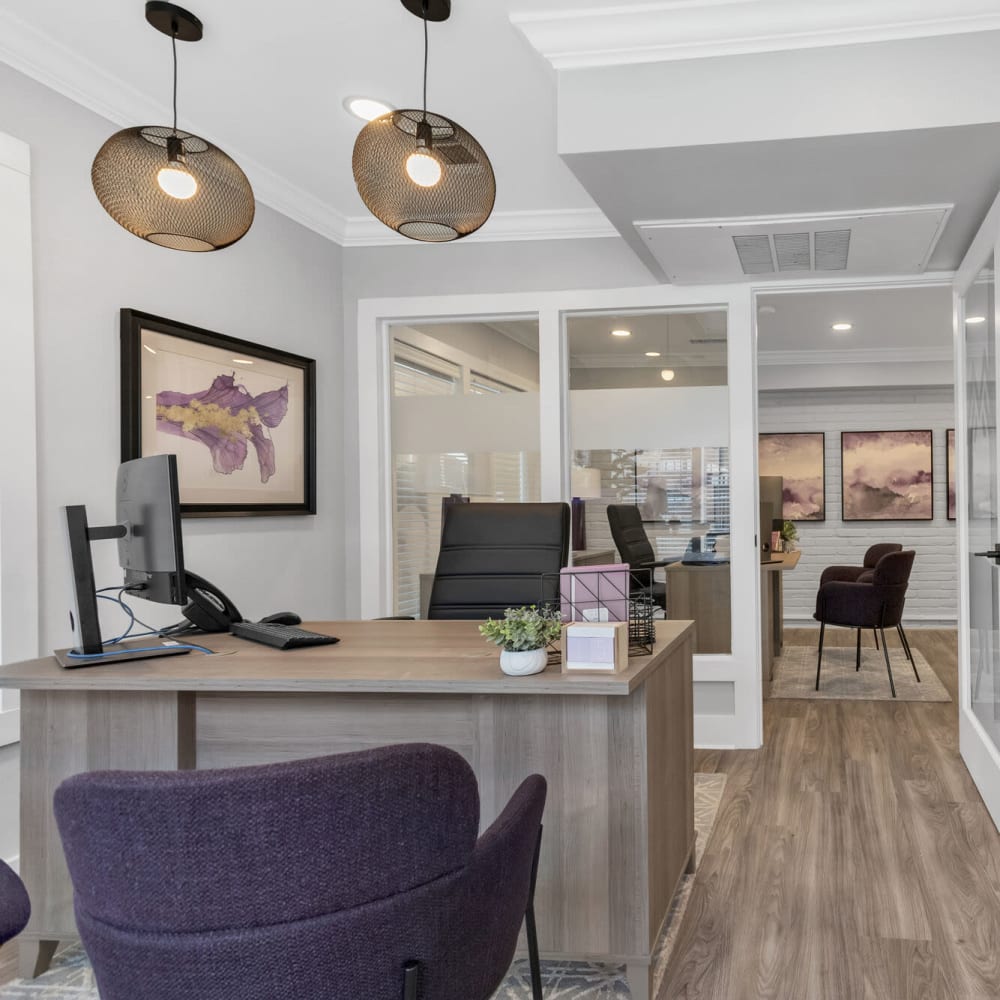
852, 858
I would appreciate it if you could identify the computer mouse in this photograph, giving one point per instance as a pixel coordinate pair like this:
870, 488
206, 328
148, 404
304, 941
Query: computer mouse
282, 618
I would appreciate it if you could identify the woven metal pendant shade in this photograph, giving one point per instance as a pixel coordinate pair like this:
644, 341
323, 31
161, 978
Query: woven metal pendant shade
458, 204
124, 175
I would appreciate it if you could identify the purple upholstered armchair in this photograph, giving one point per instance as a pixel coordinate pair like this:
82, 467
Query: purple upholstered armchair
15, 907
872, 605
862, 573
357, 876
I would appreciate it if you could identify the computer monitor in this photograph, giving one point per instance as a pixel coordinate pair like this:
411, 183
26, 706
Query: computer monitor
150, 553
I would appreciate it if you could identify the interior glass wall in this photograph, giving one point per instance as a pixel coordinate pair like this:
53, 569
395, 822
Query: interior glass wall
465, 425
649, 426
982, 499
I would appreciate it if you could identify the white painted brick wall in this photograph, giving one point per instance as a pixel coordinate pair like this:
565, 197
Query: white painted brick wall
933, 591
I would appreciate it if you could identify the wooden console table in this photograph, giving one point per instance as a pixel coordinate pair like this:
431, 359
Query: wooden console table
617, 751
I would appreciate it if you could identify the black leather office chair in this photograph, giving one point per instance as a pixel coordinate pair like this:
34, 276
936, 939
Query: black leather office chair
634, 547
493, 557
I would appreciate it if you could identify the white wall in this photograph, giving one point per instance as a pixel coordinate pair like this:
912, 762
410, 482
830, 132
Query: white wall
279, 286
933, 592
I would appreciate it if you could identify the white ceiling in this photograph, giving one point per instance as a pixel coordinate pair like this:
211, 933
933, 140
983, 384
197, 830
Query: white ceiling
908, 322
267, 83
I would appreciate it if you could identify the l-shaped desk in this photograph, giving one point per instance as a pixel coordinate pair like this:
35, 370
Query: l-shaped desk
617, 750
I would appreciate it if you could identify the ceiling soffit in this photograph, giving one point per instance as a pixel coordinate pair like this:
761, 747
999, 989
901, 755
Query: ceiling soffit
678, 29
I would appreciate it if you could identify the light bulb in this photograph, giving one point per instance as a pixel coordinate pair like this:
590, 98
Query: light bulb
423, 169
667, 374
177, 183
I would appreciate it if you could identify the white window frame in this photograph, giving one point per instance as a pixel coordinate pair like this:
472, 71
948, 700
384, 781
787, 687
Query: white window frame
741, 668
19, 623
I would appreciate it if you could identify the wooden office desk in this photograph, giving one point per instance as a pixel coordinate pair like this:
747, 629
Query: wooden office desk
702, 593
617, 751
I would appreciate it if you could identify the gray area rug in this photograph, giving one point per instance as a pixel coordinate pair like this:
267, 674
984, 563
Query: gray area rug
71, 977
795, 675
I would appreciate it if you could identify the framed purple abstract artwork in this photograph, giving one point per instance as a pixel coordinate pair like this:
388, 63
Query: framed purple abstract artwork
887, 476
798, 459
240, 418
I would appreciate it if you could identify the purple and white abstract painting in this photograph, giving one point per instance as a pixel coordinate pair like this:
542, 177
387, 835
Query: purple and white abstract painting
798, 459
226, 418
887, 476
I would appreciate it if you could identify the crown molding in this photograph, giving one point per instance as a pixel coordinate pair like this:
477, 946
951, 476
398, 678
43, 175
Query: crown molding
561, 224
859, 356
698, 29
65, 71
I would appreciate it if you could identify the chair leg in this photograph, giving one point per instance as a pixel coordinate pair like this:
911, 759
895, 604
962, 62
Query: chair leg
857, 665
875, 633
411, 974
909, 652
819, 659
530, 929
885, 653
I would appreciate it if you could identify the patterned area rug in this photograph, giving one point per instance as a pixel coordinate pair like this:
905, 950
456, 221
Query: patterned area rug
71, 978
795, 675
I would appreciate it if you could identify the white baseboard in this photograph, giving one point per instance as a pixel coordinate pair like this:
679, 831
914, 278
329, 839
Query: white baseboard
10, 727
715, 732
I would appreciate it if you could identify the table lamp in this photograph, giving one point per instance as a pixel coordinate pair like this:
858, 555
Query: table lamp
585, 484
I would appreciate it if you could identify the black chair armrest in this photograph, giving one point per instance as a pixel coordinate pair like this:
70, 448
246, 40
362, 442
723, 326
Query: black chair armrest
855, 605
842, 574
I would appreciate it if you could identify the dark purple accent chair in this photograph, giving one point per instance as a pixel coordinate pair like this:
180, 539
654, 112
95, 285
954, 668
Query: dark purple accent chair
15, 907
872, 605
862, 573
353, 876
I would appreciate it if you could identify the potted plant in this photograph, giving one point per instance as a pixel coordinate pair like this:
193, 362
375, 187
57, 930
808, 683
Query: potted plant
522, 635
789, 534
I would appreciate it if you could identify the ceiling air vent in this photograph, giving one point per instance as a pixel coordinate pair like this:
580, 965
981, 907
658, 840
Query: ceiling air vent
792, 251
832, 246
790, 247
755, 254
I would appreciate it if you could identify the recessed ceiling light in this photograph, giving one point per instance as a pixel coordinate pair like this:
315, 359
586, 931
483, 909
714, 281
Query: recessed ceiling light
843, 327
621, 333
366, 108
767, 310
972, 320
652, 354
667, 374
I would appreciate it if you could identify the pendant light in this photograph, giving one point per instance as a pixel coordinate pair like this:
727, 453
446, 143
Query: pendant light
420, 173
166, 185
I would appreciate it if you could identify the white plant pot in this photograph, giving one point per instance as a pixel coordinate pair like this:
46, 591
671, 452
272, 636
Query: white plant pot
527, 661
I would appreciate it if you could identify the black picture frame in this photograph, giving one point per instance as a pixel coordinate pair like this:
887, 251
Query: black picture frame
843, 482
138, 424
785, 516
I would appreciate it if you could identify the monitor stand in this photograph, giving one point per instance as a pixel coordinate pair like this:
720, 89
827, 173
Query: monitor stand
91, 651
71, 662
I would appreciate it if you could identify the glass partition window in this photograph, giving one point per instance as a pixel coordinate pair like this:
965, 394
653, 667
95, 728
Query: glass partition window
649, 427
464, 429
982, 500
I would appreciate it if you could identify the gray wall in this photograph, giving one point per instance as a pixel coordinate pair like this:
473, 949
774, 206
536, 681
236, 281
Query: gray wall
455, 269
280, 286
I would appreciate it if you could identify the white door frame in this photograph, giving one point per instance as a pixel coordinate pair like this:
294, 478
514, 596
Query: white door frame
978, 751
18, 461
375, 316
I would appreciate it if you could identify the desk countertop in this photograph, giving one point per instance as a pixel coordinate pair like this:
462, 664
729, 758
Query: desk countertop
439, 657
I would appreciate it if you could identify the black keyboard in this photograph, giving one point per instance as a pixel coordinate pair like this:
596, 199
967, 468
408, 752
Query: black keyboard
280, 636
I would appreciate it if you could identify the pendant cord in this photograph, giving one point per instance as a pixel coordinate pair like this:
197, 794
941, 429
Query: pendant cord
425, 59
173, 39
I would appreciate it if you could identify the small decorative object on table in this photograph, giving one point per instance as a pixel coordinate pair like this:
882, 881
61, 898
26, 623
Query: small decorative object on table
595, 646
522, 636
789, 536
